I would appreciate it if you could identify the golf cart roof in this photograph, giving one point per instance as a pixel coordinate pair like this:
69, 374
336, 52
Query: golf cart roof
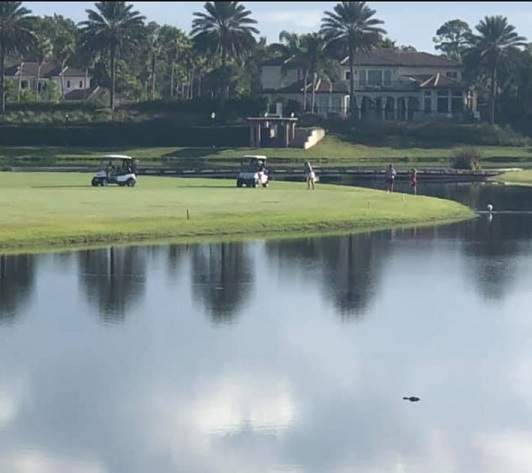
115, 156
254, 156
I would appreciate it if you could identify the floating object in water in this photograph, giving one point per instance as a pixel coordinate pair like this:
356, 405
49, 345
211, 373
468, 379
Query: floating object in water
490, 208
411, 399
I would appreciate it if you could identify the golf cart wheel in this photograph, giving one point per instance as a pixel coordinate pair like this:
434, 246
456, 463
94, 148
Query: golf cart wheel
130, 182
239, 183
95, 182
254, 184
103, 182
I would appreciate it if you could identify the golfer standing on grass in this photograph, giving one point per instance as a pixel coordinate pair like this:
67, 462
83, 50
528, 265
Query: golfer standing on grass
310, 175
390, 177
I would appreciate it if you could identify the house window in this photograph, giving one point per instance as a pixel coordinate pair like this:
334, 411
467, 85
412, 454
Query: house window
377, 77
362, 78
443, 101
387, 78
24, 84
452, 74
347, 75
457, 102
374, 77
68, 84
427, 101
81, 84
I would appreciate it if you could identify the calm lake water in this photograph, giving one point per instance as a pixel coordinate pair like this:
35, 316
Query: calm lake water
276, 356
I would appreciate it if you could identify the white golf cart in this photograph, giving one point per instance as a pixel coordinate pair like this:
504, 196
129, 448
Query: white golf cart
253, 172
116, 169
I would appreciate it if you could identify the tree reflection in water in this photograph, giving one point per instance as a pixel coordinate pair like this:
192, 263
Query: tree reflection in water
222, 278
347, 266
17, 275
114, 279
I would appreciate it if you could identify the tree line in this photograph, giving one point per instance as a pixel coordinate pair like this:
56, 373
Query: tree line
221, 56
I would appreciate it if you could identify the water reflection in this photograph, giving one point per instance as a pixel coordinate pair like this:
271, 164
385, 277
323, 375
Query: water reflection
17, 274
113, 279
348, 267
222, 278
440, 314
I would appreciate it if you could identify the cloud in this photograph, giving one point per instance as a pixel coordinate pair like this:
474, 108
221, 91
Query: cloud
309, 19
39, 462
508, 451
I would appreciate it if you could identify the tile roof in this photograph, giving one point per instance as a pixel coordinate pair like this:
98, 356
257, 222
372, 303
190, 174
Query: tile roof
322, 86
48, 69
436, 81
394, 57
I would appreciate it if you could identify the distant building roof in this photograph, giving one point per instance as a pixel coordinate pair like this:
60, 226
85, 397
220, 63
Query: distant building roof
322, 86
48, 69
436, 81
396, 57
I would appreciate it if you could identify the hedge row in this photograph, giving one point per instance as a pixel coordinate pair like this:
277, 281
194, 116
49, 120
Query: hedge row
149, 134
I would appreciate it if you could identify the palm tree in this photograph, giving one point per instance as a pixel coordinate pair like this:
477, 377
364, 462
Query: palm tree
292, 50
174, 44
114, 29
17, 37
225, 30
350, 29
318, 61
491, 49
44, 51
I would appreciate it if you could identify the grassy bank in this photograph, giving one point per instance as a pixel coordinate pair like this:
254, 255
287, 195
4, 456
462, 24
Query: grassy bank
43, 210
515, 177
330, 152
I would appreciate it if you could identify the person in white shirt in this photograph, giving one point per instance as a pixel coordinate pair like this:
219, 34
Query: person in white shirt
310, 176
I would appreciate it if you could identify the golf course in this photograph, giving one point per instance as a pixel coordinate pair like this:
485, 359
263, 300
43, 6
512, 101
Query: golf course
58, 210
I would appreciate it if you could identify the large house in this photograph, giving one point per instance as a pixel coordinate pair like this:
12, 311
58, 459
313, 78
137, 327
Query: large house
72, 82
390, 84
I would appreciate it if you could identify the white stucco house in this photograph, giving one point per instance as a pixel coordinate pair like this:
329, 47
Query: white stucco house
70, 80
389, 85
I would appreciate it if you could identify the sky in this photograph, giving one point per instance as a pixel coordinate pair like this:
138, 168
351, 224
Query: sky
408, 23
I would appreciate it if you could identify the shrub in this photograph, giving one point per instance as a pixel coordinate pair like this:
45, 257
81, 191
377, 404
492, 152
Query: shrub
466, 158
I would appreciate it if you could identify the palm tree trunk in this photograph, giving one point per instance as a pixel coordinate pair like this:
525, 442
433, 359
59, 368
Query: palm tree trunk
352, 83
313, 92
63, 80
305, 80
86, 91
2, 71
19, 80
492, 95
192, 79
37, 91
153, 78
172, 72
113, 77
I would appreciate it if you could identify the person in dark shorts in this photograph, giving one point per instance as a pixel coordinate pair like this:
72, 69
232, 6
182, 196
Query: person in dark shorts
390, 177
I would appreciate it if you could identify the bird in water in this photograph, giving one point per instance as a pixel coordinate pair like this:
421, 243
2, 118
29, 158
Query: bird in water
490, 208
411, 399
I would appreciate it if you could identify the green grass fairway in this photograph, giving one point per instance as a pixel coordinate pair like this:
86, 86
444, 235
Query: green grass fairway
43, 210
331, 151
515, 177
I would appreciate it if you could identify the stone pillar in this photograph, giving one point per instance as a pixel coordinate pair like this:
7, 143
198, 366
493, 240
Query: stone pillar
449, 101
252, 135
384, 100
258, 135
